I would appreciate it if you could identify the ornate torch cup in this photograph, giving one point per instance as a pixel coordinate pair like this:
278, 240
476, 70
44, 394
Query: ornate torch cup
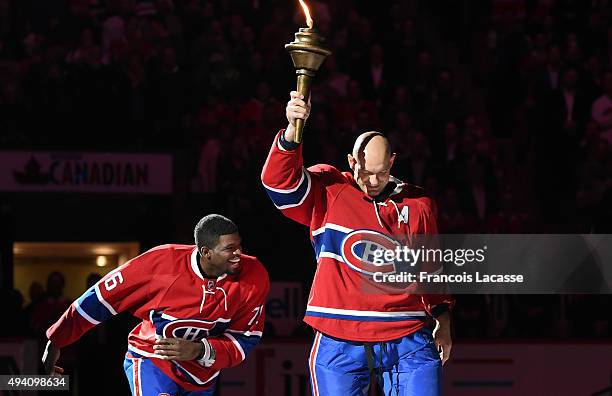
307, 53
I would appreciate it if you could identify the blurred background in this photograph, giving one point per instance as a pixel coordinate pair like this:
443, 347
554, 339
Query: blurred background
122, 122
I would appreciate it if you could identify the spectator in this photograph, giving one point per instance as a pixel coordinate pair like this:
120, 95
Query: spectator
52, 305
602, 108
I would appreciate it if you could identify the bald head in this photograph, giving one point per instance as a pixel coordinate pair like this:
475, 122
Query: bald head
371, 162
371, 142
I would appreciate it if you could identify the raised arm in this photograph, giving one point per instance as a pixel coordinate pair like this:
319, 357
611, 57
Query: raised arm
293, 189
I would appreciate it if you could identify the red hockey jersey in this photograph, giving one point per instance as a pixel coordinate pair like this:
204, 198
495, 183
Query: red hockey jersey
345, 223
167, 290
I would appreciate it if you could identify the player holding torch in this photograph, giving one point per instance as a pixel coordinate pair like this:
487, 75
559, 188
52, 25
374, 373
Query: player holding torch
360, 332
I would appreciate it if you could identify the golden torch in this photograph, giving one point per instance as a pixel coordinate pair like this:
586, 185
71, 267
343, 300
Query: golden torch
307, 53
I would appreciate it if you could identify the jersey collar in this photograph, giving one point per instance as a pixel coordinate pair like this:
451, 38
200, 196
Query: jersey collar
395, 186
195, 266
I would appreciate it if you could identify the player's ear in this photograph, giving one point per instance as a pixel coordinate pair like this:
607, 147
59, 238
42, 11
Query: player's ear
205, 252
391, 160
351, 161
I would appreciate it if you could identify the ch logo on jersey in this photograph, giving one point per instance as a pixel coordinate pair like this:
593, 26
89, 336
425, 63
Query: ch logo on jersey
358, 251
188, 329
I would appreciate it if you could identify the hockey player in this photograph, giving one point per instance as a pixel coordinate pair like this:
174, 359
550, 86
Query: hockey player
359, 330
202, 310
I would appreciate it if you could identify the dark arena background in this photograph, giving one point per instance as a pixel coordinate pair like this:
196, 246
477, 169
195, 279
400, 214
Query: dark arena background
123, 122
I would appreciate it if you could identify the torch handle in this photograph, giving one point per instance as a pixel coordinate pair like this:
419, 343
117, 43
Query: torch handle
303, 87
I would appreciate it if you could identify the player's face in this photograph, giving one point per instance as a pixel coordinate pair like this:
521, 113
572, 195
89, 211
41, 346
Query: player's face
372, 172
225, 257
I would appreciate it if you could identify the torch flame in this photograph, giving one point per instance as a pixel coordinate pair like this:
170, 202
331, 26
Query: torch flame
307, 13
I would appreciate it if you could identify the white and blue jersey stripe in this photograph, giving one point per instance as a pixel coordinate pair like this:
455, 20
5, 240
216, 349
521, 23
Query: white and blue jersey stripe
92, 306
364, 316
244, 343
328, 239
291, 197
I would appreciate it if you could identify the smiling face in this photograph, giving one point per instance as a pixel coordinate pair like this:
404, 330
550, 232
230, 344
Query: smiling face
371, 162
224, 257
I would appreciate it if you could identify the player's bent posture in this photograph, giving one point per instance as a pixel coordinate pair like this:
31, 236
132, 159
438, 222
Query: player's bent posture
360, 330
202, 310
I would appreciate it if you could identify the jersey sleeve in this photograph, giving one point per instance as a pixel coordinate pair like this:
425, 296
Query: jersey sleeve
125, 288
245, 330
437, 301
293, 189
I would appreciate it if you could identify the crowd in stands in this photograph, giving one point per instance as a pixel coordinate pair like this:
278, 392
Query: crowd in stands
501, 109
